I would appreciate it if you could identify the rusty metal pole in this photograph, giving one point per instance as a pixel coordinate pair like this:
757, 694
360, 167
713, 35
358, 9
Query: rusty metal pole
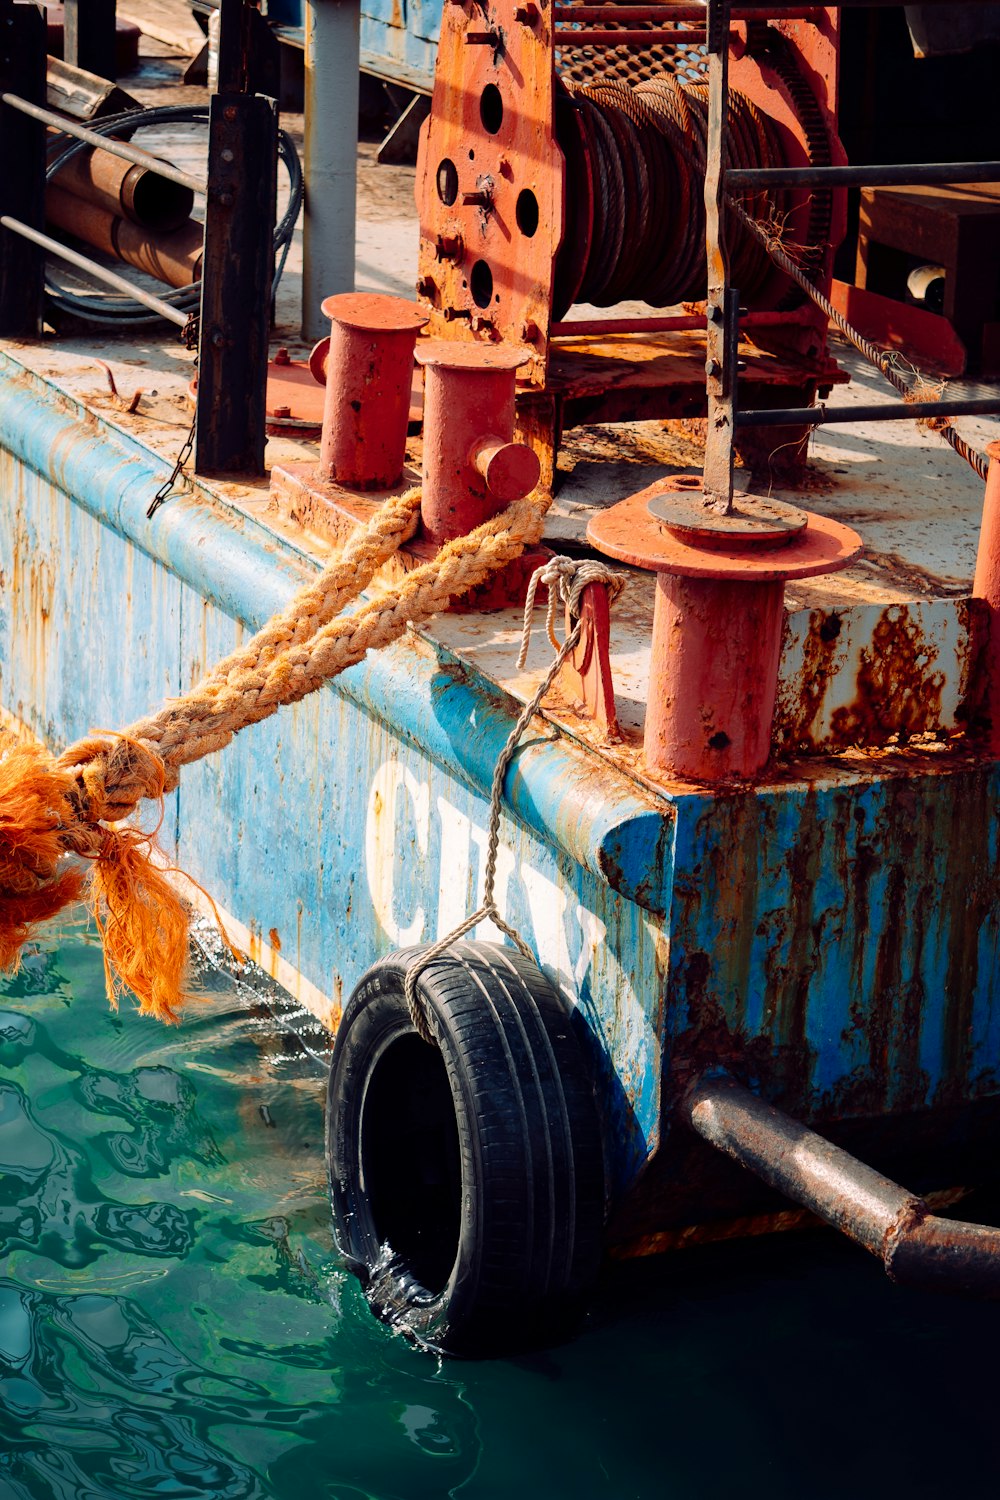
90, 36
22, 184
332, 71
986, 586
472, 469
722, 328
369, 379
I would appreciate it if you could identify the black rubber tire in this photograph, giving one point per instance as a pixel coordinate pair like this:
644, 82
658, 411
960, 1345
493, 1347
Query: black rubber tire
466, 1178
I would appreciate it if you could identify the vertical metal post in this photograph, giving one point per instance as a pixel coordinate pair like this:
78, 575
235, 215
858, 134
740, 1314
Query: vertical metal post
89, 36
722, 338
331, 151
238, 267
23, 40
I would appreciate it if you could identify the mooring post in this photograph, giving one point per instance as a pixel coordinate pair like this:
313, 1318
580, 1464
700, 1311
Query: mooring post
22, 182
331, 150
238, 264
90, 36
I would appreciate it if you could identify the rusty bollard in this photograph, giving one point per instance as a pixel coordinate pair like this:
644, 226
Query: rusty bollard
367, 366
472, 469
717, 621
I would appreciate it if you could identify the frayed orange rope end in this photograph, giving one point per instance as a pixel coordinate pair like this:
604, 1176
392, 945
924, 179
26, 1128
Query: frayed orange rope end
143, 925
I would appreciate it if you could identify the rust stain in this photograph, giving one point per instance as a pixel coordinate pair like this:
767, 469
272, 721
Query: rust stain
274, 939
898, 692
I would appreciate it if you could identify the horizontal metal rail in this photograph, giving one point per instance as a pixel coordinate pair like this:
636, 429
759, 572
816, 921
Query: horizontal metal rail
670, 12
589, 36
105, 143
891, 411
577, 328
913, 174
915, 1246
82, 263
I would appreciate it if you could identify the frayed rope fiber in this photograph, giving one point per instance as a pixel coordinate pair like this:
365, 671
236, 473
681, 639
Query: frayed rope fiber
61, 829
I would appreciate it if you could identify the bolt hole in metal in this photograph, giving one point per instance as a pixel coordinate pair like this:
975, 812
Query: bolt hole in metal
526, 212
491, 109
481, 284
447, 182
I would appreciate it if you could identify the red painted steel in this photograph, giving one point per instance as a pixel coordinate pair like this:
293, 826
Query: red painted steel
370, 370
716, 627
471, 467
986, 585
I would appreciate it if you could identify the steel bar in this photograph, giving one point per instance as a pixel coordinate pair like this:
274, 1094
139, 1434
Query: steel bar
90, 40
673, 323
237, 275
332, 46
915, 1246
914, 174
890, 411
22, 184
592, 37
671, 12
103, 142
101, 273
722, 336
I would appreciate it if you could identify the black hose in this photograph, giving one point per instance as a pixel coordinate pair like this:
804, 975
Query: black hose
122, 312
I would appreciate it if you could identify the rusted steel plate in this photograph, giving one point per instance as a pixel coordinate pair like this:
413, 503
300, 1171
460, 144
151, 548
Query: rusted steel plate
871, 675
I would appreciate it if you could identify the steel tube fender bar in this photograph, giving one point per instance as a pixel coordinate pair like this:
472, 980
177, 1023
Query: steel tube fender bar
916, 1246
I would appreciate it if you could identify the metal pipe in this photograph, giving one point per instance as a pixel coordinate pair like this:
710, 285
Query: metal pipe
864, 176
122, 188
174, 258
915, 1246
103, 142
100, 273
888, 411
332, 69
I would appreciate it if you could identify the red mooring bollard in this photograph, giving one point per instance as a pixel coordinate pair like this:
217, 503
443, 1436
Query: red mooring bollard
986, 586
718, 616
369, 378
472, 469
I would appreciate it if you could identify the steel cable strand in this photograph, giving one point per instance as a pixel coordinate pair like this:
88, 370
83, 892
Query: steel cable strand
103, 308
883, 359
617, 102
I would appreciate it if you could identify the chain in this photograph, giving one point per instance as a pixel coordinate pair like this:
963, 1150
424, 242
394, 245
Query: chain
882, 359
168, 484
566, 578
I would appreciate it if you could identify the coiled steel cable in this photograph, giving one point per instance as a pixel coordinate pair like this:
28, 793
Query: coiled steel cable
121, 312
640, 179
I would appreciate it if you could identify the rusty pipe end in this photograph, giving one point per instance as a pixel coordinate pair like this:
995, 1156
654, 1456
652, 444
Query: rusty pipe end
511, 470
318, 356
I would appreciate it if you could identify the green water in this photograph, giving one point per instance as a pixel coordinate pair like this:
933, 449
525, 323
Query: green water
174, 1321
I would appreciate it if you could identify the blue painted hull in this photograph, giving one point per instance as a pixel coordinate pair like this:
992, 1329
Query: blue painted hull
830, 937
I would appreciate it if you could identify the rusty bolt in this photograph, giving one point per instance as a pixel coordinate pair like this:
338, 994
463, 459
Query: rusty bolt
226, 199
217, 338
526, 14
282, 411
281, 357
530, 331
478, 199
712, 368
227, 155
452, 314
425, 286
229, 112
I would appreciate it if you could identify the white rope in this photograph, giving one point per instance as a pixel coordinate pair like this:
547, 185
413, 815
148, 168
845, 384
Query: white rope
566, 578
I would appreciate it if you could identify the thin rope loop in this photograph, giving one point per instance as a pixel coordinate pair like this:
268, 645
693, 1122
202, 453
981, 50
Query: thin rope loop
566, 578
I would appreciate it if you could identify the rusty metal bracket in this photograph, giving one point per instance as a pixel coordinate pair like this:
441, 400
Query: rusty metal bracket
22, 149
586, 673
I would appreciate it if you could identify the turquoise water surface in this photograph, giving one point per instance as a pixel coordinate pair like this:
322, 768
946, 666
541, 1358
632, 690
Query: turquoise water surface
174, 1321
